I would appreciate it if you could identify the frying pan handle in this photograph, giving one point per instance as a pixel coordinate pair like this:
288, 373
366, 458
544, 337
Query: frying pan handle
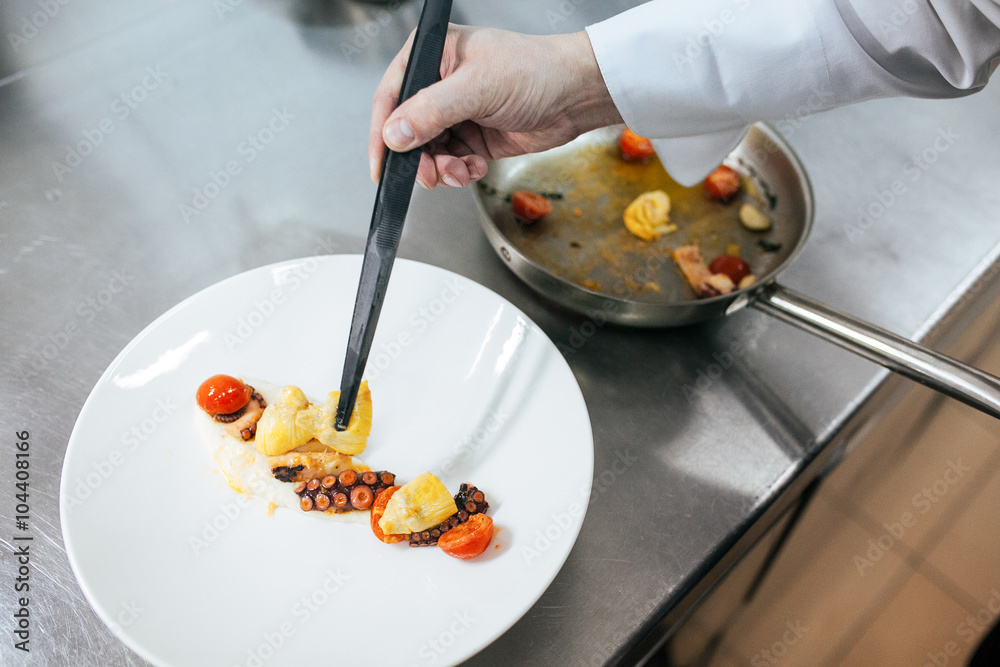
949, 376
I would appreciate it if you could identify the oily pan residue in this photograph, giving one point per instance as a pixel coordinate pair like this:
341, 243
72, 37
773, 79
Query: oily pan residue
584, 241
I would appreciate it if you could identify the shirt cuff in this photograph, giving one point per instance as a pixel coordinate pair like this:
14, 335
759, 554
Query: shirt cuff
690, 159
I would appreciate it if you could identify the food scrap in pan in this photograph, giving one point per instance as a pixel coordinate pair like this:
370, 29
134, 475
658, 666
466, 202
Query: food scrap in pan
529, 207
752, 218
723, 183
734, 267
648, 216
699, 276
635, 148
284, 449
723, 275
739, 272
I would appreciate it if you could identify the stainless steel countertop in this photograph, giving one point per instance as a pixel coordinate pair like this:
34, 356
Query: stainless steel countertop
167, 93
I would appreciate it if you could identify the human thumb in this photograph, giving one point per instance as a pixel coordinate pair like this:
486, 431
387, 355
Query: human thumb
427, 114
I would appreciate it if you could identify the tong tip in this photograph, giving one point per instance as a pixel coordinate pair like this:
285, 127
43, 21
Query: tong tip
344, 408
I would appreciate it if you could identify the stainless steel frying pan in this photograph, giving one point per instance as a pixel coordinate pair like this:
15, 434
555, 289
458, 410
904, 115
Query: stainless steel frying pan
581, 256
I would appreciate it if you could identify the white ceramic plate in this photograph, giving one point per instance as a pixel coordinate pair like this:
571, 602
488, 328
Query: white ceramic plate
188, 572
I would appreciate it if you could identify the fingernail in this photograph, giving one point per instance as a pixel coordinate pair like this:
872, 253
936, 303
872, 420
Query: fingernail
399, 135
448, 179
373, 167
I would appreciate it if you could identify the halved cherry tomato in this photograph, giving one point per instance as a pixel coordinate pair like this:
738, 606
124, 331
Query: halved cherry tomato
734, 267
378, 509
223, 395
469, 539
635, 147
529, 206
722, 183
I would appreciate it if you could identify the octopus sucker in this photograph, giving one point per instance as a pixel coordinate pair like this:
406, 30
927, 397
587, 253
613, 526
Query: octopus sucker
351, 490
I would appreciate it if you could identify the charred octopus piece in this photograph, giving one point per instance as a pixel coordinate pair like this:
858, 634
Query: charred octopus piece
286, 473
244, 421
344, 493
469, 501
247, 422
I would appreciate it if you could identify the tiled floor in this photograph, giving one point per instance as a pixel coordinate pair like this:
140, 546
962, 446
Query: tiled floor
897, 559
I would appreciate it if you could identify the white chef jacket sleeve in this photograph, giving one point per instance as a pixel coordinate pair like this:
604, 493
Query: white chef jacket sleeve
693, 75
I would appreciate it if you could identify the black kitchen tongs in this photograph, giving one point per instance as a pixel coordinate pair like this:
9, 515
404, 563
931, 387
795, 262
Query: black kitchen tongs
399, 171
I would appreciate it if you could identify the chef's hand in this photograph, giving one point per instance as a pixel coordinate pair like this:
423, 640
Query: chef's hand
501, 94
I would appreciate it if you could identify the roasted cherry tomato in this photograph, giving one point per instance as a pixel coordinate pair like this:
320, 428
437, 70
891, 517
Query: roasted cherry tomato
734, 267
529, 206
722, 183
469, 539
223, 395
378, 509
635, 147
